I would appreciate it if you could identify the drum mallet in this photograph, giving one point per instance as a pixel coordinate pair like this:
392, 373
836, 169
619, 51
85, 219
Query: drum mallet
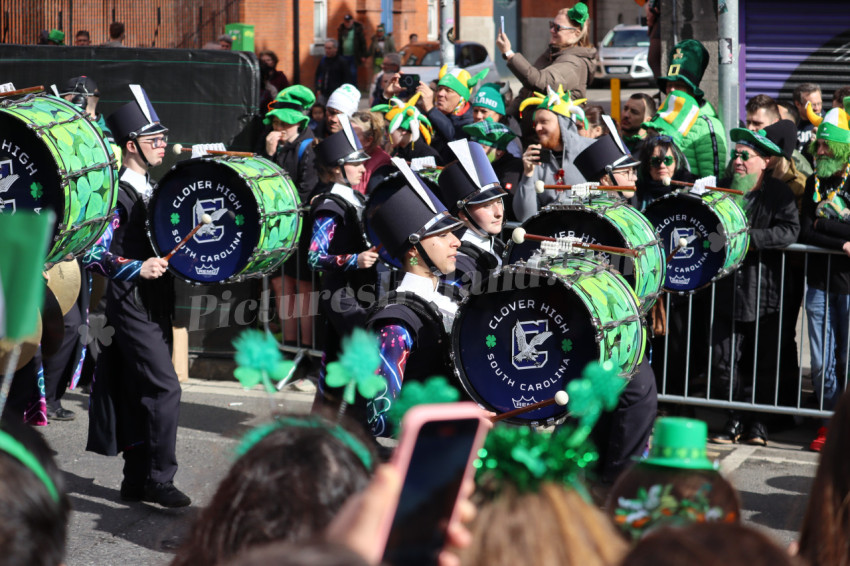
519, 236
205, 219
560, 398
683, 243
667, 181
539, 187
178, 149
20, 91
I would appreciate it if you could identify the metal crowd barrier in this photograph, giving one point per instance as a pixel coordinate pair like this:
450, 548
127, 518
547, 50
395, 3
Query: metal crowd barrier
690, 387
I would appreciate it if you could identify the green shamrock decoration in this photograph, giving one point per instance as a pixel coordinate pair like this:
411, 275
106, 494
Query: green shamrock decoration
706, 244
356, 367
490, 341
175, 218
598, 390
259, 360
566, 345
240, 220
36, 190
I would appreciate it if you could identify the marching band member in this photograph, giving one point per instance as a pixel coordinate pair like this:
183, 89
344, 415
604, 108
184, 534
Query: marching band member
414, 227
136, 396
473, 193
337, 247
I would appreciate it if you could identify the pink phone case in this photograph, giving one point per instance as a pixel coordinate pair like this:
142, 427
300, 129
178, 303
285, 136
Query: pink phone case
413, 421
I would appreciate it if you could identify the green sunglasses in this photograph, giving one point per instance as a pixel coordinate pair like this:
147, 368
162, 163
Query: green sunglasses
744, 155
656, 161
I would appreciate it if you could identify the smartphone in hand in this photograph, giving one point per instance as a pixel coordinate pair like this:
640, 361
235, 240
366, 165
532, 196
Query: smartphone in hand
435, 453
409, 83
544, 155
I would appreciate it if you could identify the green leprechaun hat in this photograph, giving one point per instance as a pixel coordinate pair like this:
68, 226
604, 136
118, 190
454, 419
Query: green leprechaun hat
679, 443
688, 62
756, 140
676, 116
290, 106
459, 80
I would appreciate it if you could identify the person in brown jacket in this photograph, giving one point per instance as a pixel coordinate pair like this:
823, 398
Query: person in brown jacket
569, 60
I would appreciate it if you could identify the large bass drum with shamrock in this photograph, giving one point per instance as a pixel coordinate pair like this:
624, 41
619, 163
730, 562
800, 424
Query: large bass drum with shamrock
53, 157
255, 215
532, 331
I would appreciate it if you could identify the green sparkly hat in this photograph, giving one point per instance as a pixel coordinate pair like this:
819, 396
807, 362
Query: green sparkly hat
680, 443
488, 132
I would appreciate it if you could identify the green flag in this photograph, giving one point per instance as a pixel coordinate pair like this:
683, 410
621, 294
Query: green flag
25, 236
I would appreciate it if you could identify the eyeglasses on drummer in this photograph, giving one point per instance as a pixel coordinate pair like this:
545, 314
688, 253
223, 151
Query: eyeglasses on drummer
157, 142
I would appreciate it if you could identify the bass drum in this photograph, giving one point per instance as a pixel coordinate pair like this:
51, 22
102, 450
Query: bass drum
716, 229
535, 330
54, 157
255, 211
606, 222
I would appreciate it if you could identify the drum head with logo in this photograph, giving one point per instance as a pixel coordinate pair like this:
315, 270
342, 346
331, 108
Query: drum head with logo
218, 250
521, 342
687, 216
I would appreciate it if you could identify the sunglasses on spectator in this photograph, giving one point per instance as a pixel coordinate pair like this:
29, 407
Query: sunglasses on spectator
161, 141
744, 155
558, 27
656, 160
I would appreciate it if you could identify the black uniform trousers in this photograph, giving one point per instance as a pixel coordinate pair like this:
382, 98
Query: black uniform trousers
136, 396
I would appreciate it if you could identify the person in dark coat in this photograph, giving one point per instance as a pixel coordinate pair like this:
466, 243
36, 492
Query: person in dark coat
136, 394
753, 291
333, 72
352, 45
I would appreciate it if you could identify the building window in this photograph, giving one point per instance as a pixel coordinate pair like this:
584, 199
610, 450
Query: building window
433, 20
320, 21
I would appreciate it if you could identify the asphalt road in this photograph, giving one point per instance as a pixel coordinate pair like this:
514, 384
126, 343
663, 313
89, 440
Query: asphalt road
773, 481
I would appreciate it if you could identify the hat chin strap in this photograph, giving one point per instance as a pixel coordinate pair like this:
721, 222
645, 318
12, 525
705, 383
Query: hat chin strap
424, 255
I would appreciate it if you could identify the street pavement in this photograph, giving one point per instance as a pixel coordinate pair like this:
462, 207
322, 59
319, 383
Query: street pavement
773, 481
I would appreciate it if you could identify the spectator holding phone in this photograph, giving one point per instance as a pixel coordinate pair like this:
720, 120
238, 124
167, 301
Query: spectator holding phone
569, 61
550, 160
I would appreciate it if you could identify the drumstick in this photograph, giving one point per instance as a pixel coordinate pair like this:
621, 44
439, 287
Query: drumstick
28, 90
205, 219
683, 242
178, 149
539, 186
561, 398
667, 181
520, 235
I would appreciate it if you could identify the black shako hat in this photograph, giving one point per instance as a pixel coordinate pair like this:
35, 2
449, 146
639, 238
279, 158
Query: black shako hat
341, 147
136, 118
470, 179
602, 157
784, 134
403, 210
80, 85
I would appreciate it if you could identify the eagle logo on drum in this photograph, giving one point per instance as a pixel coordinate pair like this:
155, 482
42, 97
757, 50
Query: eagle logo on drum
209, 232
7, 179
525, 354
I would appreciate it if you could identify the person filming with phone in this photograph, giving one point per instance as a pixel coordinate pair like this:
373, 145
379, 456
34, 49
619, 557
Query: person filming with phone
549, 160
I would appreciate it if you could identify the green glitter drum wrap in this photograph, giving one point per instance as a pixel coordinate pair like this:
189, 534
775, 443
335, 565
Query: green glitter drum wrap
54, 157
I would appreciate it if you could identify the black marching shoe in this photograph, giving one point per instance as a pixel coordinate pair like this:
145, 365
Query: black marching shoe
132, 491
756, 434
730, 434
60, 414
166, 494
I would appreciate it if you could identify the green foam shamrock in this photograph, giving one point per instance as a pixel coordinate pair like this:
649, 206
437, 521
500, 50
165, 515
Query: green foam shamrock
598, 390
435, 389
259, 360
355, 370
